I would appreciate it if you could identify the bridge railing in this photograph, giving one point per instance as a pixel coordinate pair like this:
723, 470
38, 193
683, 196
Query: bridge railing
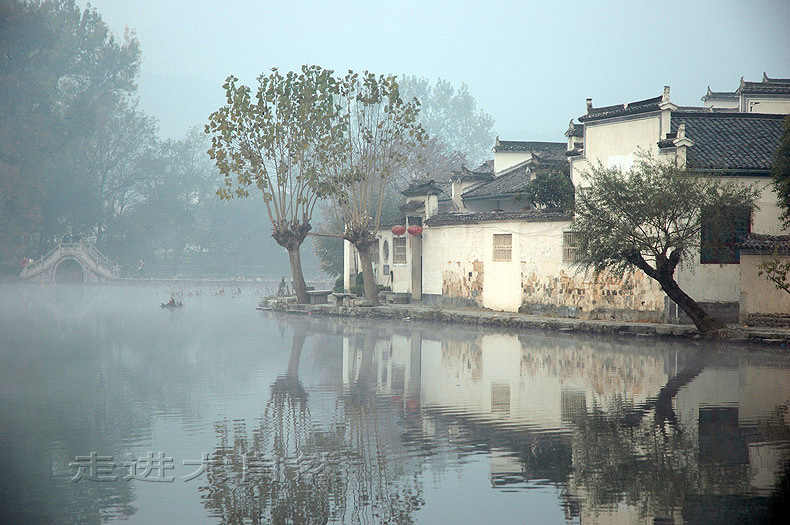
86, 250
37, 265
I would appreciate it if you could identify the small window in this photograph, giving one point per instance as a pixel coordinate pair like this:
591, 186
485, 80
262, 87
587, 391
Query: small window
386, 250
570, 246
503, 247
720, 241
399, 250
374, 252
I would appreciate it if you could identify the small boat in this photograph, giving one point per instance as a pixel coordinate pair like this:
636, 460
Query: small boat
172, 304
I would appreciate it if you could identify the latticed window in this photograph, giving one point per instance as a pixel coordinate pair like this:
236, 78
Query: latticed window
503, 246
570, 246
399, 250
374, 252
720, 241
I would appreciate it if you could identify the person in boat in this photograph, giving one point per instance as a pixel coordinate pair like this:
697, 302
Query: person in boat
172, 301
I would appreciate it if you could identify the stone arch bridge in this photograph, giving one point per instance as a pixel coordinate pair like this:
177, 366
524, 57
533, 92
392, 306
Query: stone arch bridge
72, 262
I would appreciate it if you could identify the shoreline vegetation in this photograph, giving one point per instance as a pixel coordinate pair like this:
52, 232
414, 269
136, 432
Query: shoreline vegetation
732, 334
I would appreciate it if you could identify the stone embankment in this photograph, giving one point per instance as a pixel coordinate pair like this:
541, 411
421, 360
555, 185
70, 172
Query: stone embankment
517, 321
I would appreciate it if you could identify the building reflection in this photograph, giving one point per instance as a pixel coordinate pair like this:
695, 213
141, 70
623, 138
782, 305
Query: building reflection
631, 430
628, 431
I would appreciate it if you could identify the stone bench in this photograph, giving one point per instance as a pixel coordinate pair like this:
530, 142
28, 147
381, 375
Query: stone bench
318, 296
340, 297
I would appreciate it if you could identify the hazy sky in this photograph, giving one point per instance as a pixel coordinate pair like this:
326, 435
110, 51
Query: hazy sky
530, 64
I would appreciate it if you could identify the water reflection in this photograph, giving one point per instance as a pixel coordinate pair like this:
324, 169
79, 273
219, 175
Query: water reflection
307, 419
291, 470
630, 431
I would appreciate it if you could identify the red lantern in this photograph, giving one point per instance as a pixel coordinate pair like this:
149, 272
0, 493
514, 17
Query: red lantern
414, 230
398, 230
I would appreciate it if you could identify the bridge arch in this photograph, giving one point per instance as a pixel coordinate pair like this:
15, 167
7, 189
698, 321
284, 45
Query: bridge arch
69, 270
79, 262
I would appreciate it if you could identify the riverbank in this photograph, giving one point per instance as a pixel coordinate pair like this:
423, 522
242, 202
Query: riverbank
419, 312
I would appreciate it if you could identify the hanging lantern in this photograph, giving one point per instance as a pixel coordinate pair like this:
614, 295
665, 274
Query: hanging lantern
414, 229
398, 229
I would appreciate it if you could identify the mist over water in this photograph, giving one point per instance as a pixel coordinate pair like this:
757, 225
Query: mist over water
305, 419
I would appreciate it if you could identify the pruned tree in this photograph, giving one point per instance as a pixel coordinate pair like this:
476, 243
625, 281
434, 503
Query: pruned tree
377, 131
273, 142
651, 218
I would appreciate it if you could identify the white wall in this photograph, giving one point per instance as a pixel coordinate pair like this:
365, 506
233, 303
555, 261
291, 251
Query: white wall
616, 142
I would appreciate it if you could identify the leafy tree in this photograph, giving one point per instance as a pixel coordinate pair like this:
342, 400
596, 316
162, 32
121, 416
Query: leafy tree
60, 68
781, 172
551, 189
650, 218
378, 131
273, 141
776, 271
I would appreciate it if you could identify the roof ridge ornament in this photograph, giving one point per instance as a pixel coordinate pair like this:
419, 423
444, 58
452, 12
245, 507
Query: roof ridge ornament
589, 105
665, 103
681, 139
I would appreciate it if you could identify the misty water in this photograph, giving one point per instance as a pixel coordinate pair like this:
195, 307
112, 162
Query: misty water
219, 413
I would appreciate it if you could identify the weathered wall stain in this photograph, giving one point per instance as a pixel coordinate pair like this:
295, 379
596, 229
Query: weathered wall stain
591, 297
463, 280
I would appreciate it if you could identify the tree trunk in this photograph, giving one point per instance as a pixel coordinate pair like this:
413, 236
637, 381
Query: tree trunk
369, 280
296, 272
705, 323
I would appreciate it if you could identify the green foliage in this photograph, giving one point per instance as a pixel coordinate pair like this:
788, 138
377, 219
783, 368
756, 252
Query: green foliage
551, 189
277, 142
777, 272
651, 212
651, 218
61, 74
781, 172
338, 287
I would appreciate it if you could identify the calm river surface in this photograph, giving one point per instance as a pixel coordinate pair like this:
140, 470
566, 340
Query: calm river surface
112, 409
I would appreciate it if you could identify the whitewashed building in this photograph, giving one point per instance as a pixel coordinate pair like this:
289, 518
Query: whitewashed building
481, 244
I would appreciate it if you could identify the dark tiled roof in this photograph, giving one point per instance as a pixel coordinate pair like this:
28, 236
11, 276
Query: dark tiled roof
412, 207
768, 86
508, 184
640, 106
535, 147
481, 173
514, 179
474, 218
422, 187
485, 168
757, 243
730, 141
719, 94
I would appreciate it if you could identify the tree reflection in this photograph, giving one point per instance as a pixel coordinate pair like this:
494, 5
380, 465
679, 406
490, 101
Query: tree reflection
643, 457
289, 469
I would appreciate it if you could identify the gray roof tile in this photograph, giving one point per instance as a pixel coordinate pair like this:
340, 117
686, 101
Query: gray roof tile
730, 141
757, 243
478, 217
